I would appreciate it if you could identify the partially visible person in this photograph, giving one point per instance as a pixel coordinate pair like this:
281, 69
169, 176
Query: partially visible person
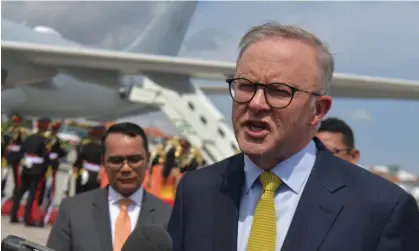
171, 173
102, 177
56, 153
153, 175
4, 166
16, 135
34, 166
192, 161
338, 137
102, 219
88, 163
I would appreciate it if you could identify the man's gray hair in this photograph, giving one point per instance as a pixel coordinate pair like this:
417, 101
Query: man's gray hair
275, 29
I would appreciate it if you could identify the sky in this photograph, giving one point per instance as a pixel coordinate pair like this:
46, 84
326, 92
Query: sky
369, 38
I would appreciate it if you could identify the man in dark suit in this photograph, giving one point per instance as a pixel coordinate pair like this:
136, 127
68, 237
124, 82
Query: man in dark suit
102, 219
286, 191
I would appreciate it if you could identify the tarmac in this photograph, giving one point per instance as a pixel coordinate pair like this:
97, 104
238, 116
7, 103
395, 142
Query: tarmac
37, 235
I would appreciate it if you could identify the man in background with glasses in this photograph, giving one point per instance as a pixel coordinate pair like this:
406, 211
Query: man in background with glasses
286, 191
338, 137
102, 219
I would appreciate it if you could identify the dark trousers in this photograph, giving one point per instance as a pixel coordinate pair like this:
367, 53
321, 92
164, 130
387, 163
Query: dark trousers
32, 181
13, 160
90, 185
54, 167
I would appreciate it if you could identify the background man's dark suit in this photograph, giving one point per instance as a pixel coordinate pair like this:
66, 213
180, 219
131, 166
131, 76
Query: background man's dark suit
343, 207
83, 222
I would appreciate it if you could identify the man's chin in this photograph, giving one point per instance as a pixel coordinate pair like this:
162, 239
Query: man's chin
127, 188
254, 148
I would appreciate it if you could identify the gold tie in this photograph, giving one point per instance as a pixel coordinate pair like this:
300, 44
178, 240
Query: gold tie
263, 233
122, 225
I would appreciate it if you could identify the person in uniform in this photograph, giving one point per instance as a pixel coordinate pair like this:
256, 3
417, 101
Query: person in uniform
34, 166
172, 153
153, 174
88, 163
16, 134
171, 172
5, 138
103, 177
157, 156
192, 161
56, 152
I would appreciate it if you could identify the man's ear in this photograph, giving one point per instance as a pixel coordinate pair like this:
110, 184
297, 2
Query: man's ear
323, 106
355, 154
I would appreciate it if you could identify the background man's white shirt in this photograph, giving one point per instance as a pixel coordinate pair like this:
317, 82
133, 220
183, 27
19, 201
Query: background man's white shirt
133, 210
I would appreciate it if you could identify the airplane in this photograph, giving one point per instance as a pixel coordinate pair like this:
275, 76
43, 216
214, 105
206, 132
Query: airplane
49, 75
35, 90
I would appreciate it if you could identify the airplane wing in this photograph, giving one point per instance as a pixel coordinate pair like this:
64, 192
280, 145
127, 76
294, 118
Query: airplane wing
57, 57
117, 114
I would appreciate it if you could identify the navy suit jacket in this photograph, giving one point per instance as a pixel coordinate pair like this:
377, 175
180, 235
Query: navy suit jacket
343, 208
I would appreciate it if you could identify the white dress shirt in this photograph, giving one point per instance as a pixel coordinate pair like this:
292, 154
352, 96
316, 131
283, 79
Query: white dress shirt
294, 173
133, 209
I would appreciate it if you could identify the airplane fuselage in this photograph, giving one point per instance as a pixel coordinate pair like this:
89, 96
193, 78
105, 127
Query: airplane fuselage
64, 96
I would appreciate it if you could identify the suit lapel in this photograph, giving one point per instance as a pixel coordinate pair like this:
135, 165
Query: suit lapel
101, 218
225, 201
147, 212
319, 205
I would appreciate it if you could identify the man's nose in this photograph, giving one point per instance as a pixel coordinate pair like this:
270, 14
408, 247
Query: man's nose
259, 101
125, 167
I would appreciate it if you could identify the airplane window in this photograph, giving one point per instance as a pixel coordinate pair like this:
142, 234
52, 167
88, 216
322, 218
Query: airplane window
233, 146
203, 120
191, 106
221, 132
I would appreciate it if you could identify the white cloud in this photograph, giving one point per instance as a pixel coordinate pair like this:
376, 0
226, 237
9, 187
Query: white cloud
361, 115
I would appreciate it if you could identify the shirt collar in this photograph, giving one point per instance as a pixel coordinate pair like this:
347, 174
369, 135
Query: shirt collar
136, 197
293, 171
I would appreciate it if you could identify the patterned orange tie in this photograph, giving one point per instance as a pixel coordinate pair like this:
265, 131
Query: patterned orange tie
122, 225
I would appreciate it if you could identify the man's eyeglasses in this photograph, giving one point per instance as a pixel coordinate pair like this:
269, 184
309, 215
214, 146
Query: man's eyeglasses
116, 162
277, 95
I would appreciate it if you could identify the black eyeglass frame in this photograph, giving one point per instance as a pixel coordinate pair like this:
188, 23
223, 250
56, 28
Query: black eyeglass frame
125, 159
263, 86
